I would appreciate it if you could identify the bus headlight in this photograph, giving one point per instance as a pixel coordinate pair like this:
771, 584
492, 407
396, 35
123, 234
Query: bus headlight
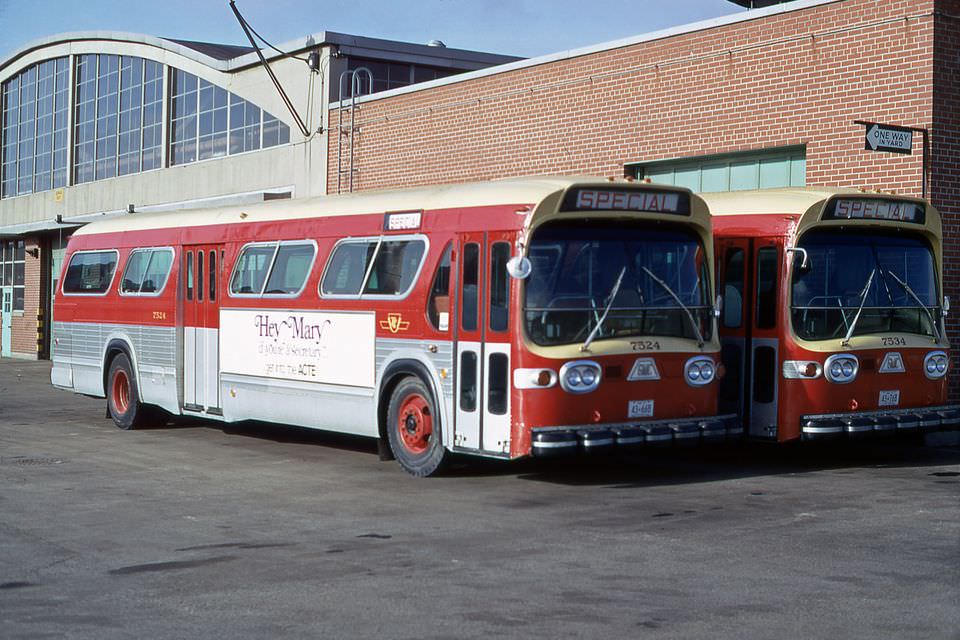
580, 376
699, 370
935, 365
841, 368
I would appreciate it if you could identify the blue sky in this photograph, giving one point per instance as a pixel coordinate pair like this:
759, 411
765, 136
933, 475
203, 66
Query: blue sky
519, 27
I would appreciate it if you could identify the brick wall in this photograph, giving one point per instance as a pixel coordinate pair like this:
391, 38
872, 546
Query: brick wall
24, 329
801, 77
945, 160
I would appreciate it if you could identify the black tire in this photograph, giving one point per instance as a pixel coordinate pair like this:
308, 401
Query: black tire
123, 396
414, 429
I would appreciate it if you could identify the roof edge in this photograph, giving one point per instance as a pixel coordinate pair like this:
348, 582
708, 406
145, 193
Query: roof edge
693, 27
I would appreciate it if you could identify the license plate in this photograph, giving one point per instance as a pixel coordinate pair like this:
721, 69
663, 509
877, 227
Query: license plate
640, 409
889, 398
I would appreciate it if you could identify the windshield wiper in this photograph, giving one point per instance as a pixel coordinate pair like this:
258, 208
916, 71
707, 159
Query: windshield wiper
863, 299
912, 294
666, 287
606, 309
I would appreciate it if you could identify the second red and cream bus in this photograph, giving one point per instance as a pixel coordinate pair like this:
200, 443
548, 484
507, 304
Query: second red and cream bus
833, 316
502, 319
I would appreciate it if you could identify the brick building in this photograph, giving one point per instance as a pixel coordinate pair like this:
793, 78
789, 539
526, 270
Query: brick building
764, 98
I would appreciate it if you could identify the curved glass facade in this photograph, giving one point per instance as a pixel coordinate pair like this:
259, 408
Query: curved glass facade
117, 126
208, 121
33, 135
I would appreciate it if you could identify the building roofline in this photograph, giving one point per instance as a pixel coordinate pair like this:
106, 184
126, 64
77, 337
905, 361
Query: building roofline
351, 43
703, 25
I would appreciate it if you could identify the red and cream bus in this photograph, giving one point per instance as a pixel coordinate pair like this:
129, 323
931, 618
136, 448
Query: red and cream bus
502, 319
833, 316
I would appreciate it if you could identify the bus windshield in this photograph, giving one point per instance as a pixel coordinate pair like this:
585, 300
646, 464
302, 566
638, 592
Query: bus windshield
858, 284
630, 279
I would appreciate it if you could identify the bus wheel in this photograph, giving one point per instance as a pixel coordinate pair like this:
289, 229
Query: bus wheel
123, 398
413, 429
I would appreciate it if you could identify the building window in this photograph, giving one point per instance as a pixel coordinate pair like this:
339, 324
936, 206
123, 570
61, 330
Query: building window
393, 75
141, 101
732, 172
33, 128
12, 272
210, 122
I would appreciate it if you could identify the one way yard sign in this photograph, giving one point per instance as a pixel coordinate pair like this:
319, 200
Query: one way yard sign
887, 137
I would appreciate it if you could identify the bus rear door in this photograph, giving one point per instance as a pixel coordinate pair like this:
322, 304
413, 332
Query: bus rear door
483, 344
201, 322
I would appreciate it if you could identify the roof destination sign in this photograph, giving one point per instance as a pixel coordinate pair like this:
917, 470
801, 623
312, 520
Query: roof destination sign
888, 137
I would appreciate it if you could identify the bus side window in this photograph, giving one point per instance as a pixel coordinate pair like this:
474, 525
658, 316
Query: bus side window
499, 286
471, 281
468, 381
188, 255
213, 275
200, 276
438, 306
733, 289
767, 287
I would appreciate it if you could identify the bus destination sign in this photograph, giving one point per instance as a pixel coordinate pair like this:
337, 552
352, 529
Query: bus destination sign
625, 199
875, 209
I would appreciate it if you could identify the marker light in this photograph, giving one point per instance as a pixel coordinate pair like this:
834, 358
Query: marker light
534, 378
801, 370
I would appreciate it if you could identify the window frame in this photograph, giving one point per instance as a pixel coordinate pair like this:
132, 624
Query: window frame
276, 244
113, 276
156, 294
379, 240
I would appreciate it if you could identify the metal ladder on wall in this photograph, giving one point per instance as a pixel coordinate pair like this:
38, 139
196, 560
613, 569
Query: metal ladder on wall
355, 79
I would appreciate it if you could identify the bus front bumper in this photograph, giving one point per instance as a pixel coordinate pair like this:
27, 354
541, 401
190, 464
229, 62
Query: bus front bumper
879, 423
548, 441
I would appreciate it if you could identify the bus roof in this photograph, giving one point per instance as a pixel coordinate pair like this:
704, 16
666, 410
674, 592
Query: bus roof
794, 200
520, 191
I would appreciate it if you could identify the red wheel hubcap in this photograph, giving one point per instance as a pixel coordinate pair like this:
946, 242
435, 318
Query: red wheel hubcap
415, 424
121, 392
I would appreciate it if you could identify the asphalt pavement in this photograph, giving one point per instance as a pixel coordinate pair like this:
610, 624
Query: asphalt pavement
200, 530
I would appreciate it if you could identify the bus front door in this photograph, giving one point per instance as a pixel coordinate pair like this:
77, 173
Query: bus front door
201, 321
749, 273
483, 344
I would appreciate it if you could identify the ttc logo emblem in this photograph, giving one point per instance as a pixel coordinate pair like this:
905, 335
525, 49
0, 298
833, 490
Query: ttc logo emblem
394, 323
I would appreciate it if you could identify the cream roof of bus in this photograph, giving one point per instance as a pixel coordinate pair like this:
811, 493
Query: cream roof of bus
510, 191
777, 201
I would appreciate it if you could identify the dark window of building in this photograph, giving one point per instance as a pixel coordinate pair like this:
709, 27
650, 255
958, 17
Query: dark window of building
393, 75
12, 271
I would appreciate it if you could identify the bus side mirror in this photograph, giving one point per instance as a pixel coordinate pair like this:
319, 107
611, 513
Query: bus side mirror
519, 267
946, 305
718, 306
804, 258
